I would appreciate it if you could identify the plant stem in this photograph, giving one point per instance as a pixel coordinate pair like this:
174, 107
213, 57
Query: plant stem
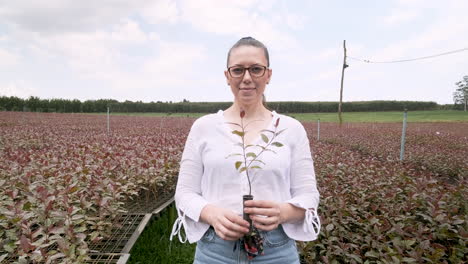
263, 150
245, 157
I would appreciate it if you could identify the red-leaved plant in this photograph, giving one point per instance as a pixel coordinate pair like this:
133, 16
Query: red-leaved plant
248, 157
253, 242
63, 182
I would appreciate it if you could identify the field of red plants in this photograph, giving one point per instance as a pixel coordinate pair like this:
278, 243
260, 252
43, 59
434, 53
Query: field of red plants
63, 179
376, 209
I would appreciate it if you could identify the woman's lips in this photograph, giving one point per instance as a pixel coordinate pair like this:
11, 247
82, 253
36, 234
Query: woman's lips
246, 89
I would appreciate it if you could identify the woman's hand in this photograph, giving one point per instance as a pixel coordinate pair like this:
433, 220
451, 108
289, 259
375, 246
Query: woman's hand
268, 215
227, 224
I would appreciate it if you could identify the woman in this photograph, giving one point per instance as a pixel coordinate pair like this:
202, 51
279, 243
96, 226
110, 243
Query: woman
209, 188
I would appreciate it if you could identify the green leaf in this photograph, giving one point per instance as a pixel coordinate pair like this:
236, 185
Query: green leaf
277, 144
27, 206
232, 155
373, 220
235, 124
238, 164
281, 131
10, 247
251, 154
80, 229
260, 146
264, 138
74, 189
409, 260
93, 235
329, 227
372, 254
267, 130
355, 257
77, 216
22, 260
2, 257
409, 243
242, 169
56, 256
239, 133
256, 167
72, 250
270, 150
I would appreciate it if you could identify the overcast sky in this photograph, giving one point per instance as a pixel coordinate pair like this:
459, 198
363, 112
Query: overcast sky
163, 50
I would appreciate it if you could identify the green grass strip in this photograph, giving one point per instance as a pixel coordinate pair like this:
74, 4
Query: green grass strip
386, 117
351, 117
154, 246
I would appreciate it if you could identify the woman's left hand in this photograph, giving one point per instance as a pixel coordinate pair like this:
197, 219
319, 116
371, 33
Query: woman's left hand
266, 215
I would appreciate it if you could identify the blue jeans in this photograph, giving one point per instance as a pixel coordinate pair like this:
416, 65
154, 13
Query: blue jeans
278, 248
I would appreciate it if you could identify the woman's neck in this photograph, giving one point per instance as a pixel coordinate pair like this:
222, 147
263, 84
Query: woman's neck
254, 111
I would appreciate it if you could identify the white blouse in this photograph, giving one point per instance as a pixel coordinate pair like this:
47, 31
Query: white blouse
208, 176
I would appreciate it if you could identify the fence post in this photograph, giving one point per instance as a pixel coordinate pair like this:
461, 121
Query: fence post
318, 129
108, 123
403, 136
161, 124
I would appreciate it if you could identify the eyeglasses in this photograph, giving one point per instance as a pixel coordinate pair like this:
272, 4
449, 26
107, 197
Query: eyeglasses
254, 70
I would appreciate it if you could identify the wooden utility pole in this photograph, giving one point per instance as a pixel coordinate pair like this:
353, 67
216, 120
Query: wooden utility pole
342, 77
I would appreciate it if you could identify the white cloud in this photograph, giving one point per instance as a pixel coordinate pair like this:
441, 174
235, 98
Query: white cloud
405, 12
239, 19
174, 58
296, 22
399, 16
19, 88
162, 74
218, 16
55, 16
129, 32
94, 54
8, 58
161, 11
434, 39
328, 53
326, 75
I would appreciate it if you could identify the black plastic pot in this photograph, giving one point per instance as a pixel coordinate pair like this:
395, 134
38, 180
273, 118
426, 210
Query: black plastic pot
246, 197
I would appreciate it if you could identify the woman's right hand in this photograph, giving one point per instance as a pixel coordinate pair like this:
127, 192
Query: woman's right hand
227, 224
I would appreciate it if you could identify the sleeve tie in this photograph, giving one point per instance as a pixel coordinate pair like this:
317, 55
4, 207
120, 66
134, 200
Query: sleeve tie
177, 227
311, 221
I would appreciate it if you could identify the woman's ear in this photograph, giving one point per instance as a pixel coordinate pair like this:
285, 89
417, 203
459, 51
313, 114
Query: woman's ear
227, 77
270, 72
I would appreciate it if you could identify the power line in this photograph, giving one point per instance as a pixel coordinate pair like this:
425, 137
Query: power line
414, 59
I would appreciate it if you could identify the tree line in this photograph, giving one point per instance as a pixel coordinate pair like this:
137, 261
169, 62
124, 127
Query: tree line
35, 104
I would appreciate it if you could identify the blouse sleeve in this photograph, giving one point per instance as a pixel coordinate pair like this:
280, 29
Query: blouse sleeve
304, 193
189, 201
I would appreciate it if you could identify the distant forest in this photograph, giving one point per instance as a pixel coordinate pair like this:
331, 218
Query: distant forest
35, 104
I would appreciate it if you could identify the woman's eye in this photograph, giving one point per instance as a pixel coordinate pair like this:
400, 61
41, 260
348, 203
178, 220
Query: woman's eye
237, 70
256, 69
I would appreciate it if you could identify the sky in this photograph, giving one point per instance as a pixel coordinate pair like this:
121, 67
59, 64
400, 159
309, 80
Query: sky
171, 50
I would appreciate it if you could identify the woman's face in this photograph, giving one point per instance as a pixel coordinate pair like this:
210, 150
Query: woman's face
247, 89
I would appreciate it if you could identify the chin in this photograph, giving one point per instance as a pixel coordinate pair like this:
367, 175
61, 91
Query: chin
249, 100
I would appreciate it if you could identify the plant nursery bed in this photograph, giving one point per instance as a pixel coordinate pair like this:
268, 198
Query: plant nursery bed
118, 258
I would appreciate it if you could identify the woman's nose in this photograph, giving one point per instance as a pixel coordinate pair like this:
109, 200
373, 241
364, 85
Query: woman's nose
247, 77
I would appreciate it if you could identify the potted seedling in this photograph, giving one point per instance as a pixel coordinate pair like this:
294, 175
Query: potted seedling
249, 159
